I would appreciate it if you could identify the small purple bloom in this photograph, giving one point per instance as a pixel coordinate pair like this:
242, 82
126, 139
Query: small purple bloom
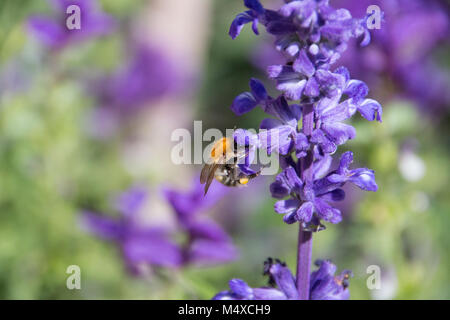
53, 32
362, 177
305, 200
325, 285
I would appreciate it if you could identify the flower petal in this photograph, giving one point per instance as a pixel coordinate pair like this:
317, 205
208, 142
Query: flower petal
101, 226
268, 294
241, 289
258, 89
312, 88
244, 103
339, 132
304, 65
284, 280
356, 89
318, 136
206, 252
279, 139
286, 206
322, 166
254, 5
335, 195
305, 212
327, 212
371, 110
239, 22
364, 179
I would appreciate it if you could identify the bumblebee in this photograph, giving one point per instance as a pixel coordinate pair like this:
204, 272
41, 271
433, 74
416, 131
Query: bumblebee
223, 165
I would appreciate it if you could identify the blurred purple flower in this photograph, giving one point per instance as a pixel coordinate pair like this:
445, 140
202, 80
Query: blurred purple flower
149, 245
53, 32
402, 49
148, 75
206, 243
324, 284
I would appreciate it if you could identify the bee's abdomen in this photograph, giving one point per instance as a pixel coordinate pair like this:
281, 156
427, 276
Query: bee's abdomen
227, 181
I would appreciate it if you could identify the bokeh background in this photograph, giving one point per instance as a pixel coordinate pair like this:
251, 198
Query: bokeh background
84, 118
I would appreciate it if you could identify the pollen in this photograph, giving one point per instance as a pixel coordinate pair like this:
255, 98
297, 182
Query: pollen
243, 180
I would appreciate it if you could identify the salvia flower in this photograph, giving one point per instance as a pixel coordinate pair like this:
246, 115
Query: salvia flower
297, 23
53, 32
205, 242
325, 285
312, 36
328, 97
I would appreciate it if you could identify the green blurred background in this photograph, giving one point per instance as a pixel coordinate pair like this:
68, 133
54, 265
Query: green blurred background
51, 167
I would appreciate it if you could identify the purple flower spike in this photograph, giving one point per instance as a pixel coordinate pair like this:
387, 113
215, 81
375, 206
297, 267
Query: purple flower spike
311, 35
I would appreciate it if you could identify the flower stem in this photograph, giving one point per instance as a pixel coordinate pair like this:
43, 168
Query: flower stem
303, 262
304, 247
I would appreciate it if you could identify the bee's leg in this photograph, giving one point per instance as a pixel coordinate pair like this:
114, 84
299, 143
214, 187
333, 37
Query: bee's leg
254, 175
243, 179
236, 174
250, 176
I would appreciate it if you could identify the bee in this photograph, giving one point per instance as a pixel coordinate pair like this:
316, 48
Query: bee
223, 165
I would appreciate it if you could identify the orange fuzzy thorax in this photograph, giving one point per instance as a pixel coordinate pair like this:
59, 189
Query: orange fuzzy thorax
220, 148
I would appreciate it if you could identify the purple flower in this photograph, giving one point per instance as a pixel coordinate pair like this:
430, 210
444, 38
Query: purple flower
328, 98
402, 50
311, 35
53, 32
308, 203
140, 245
304, 21
147, 76
330, 132
305, 200
278, 134
361, 177
324, 284
247, 101
208, 242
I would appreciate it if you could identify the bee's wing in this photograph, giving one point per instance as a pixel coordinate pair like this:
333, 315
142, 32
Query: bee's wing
210, 177
205, 172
